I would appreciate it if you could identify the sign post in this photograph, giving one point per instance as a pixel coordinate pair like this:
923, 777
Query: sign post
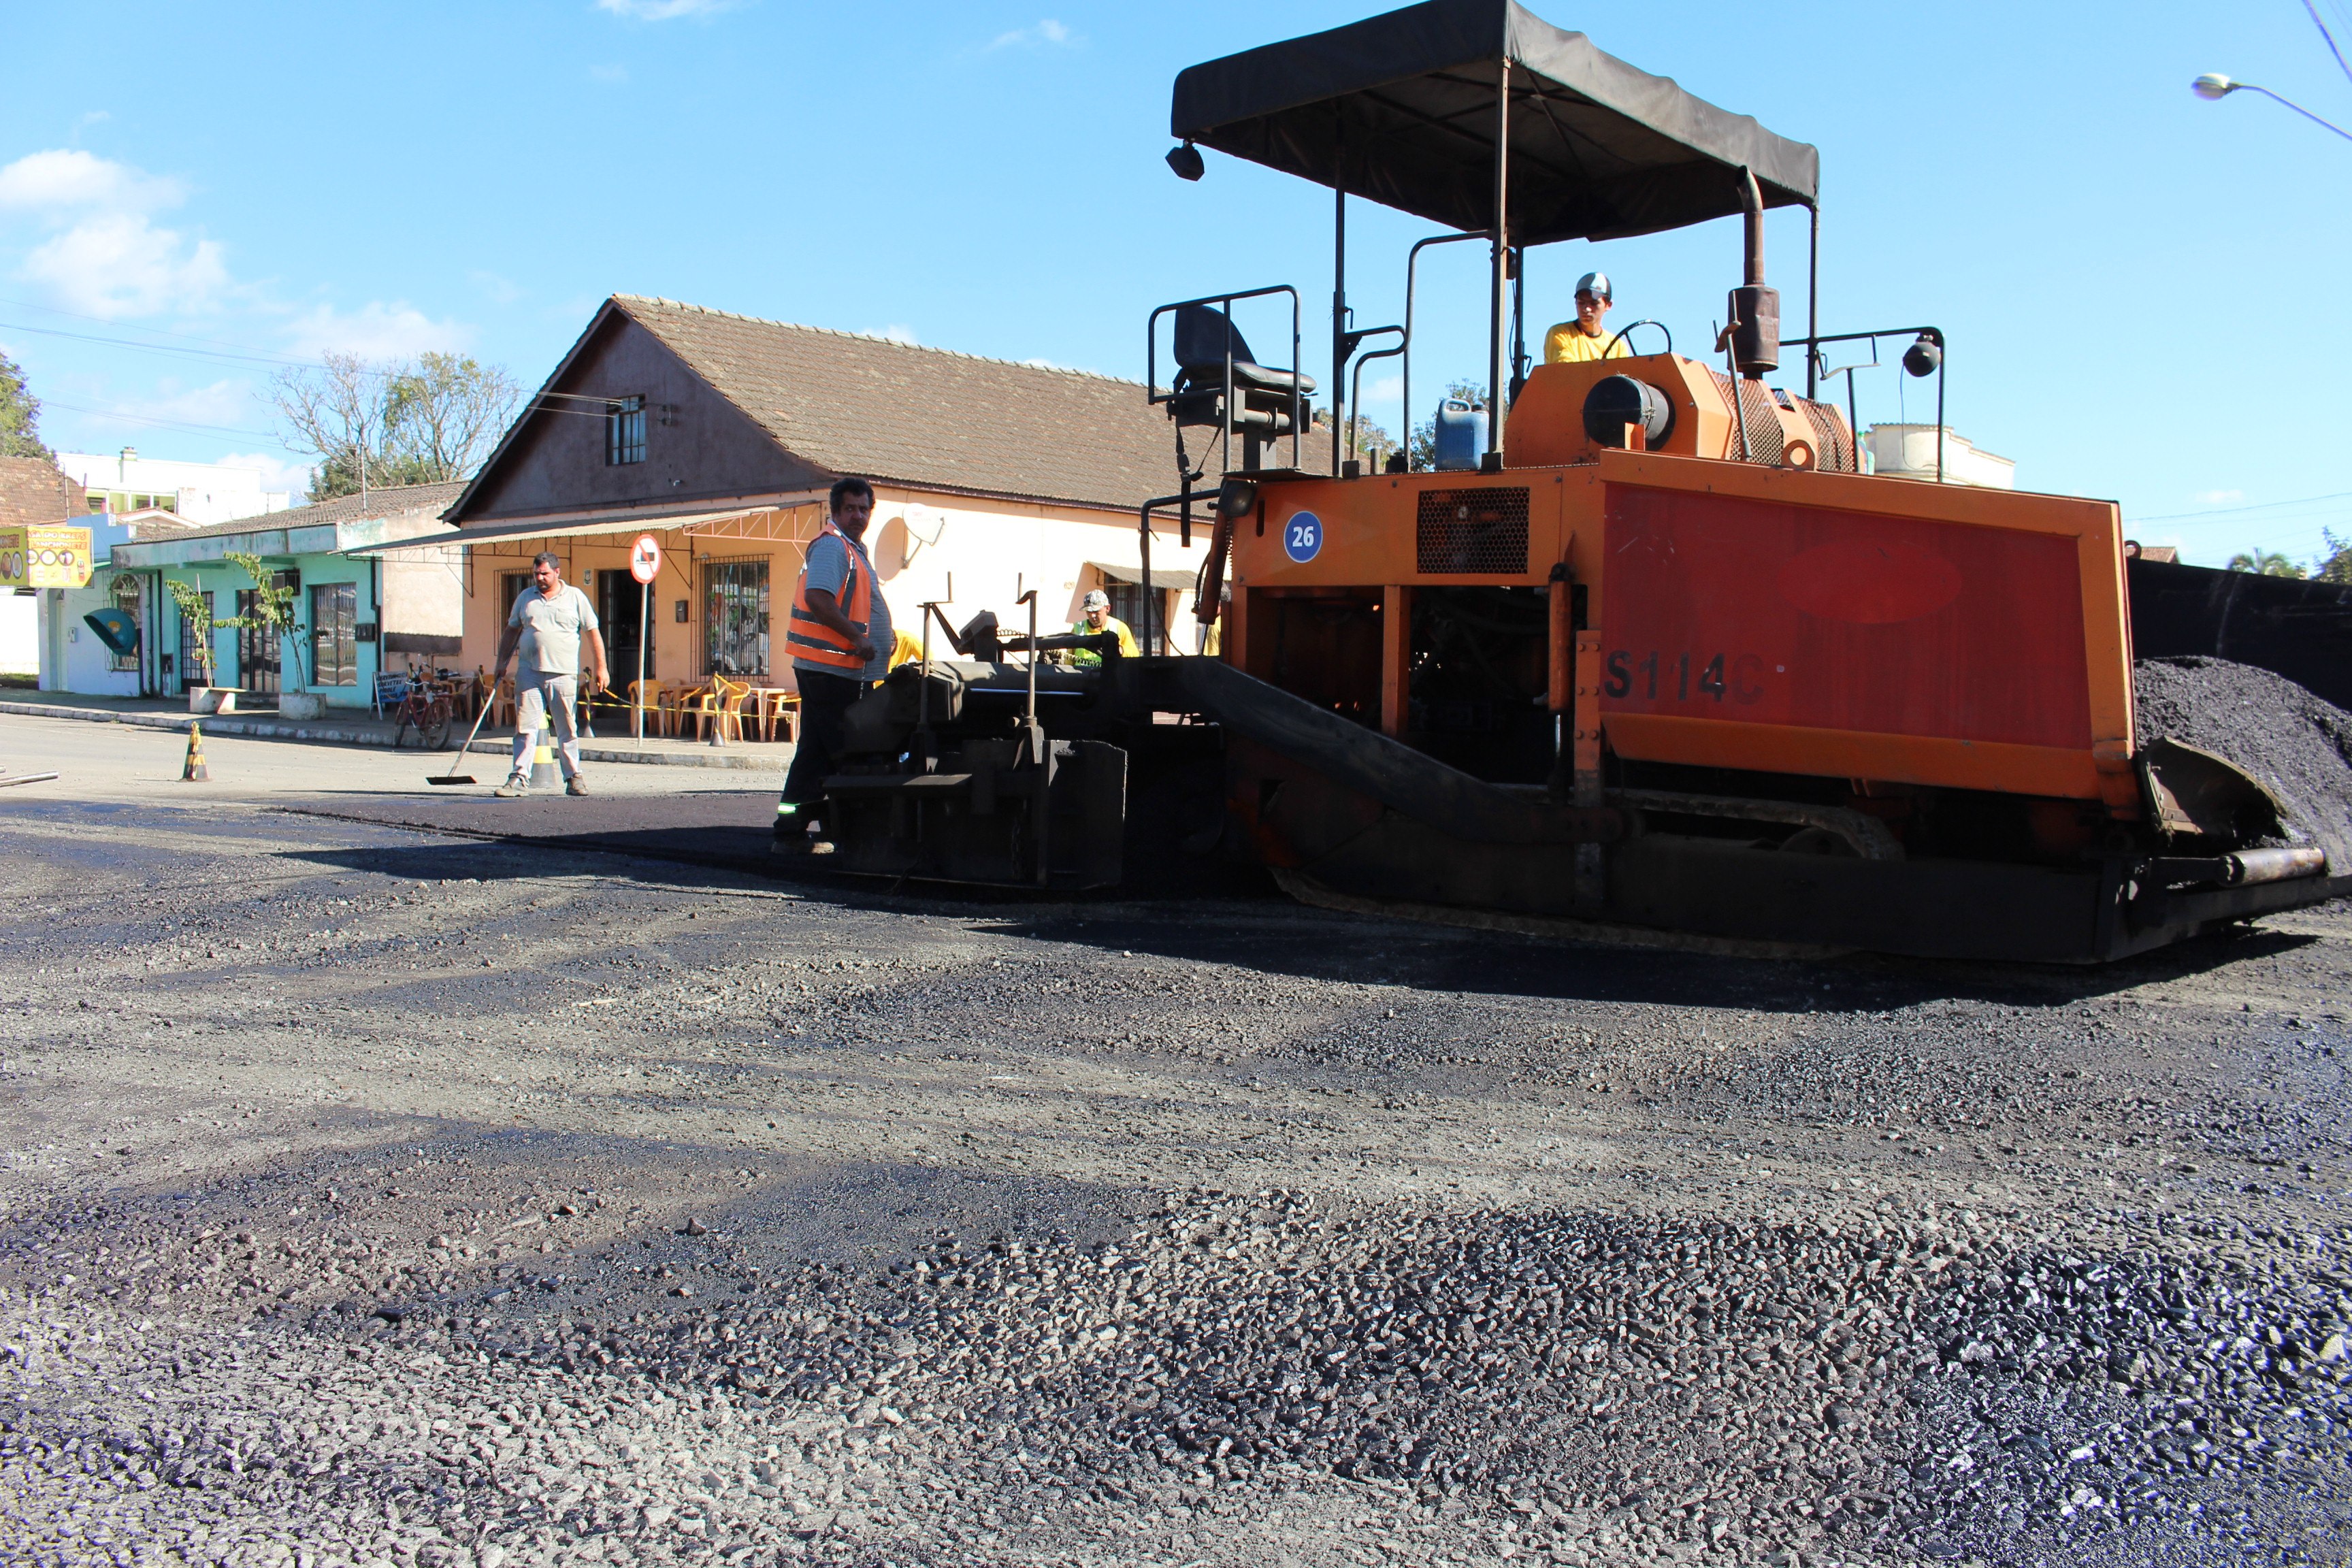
644, 565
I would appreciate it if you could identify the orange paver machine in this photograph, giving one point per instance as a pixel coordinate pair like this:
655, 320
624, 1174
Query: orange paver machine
1652, 653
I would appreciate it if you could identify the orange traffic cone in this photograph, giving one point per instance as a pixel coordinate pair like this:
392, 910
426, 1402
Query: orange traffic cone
194, 770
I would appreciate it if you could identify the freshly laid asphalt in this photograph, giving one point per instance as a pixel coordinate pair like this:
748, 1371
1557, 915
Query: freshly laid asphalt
378, 1192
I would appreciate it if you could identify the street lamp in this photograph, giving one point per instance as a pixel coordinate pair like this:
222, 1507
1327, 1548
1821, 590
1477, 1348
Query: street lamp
2212, 87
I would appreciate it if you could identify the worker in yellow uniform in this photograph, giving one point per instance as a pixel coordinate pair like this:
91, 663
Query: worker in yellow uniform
905, 646
1094, 616
1573, 343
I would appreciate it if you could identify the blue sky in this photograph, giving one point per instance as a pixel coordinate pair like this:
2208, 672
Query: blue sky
2144, 292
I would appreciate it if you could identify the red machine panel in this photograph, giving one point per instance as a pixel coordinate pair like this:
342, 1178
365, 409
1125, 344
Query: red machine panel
1753, 612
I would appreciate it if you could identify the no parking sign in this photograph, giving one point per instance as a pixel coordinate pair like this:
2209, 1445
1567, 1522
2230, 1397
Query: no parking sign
644, 558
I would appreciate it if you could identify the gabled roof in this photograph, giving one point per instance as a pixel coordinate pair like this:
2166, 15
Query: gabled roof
900, 414
34, 490
386, 502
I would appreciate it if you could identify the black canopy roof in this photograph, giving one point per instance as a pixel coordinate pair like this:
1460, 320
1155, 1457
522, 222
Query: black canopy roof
1401, 109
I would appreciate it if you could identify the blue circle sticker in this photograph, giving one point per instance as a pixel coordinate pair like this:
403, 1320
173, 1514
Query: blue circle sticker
1302, 537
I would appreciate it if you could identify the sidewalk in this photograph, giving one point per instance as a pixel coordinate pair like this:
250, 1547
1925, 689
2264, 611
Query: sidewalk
360, 727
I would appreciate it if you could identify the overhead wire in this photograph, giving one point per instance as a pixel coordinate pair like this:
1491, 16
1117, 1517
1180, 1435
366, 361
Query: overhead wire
2319, 23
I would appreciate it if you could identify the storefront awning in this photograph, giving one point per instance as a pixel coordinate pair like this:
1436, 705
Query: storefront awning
1177, 577
573, 528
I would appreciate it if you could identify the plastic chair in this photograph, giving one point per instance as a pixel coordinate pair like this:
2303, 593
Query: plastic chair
677, 706
779, 708
650, 697
722, 706
502, 702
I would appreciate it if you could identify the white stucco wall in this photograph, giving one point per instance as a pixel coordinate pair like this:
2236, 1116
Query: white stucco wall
20, 632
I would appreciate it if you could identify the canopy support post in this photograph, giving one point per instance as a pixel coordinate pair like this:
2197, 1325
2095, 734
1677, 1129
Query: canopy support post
1339, 321
1497, 343
1813, 300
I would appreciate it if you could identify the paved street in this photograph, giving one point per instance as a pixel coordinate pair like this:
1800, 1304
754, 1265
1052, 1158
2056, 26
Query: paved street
374, 1194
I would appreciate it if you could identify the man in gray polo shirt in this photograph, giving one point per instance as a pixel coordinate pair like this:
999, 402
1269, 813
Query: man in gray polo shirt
549, 622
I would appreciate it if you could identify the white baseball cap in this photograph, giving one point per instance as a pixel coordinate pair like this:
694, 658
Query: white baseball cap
1595, 284
1095, 599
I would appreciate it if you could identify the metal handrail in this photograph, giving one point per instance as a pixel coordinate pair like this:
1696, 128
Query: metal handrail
1813, 362
1154, 397
1411, 261
1356, 388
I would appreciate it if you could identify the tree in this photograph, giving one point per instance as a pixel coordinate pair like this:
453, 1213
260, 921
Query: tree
273, 610
1372, 443
20, 414
2335, 566
196, 613
2264, 563
398, 422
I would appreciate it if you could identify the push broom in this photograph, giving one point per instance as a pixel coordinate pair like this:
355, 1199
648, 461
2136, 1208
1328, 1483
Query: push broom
463, 778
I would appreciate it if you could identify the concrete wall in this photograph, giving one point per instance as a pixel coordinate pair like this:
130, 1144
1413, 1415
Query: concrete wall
20, 632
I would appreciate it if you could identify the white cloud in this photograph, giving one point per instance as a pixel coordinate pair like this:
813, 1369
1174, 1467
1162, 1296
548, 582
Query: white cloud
61, 179
2219, 497
375, 330
276, 472
664, 10
118, 264
1047, 31
896, 333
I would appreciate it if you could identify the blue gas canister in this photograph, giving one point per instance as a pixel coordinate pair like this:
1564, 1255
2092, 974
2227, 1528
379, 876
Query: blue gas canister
1461, 434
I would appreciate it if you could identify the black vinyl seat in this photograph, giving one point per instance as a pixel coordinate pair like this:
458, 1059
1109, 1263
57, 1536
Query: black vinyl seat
1204, 335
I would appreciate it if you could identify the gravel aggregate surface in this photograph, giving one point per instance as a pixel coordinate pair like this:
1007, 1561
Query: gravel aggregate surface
374, 1197
2294, 742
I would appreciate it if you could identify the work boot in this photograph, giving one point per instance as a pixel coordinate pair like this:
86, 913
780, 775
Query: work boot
515, 788
575, 784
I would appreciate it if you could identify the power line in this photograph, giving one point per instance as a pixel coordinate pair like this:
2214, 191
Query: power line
160, 347
2236, 511
2324, 33
271, 436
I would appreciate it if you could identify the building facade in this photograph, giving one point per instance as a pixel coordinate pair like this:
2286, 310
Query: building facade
719, 436
356, 615
201, 494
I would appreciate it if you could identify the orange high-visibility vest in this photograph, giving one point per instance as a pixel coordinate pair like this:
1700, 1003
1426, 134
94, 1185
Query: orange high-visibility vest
811, 639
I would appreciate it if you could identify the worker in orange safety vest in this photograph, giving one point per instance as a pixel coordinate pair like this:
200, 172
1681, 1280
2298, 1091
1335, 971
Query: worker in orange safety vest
840, 638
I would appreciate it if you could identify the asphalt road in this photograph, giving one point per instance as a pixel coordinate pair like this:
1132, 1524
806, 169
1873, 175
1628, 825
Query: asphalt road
379, 1196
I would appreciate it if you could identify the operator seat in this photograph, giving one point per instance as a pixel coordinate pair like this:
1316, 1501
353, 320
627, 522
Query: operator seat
1204, 335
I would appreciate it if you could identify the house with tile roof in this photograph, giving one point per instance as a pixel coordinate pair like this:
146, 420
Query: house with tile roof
33, 492
719, 434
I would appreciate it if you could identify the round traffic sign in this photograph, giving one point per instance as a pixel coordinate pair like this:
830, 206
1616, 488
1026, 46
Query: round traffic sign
644, 558
1302, 537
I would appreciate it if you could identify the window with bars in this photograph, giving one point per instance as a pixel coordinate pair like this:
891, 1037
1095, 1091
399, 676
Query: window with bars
196, 647
625, 430
126, 598
334, 634
735, 618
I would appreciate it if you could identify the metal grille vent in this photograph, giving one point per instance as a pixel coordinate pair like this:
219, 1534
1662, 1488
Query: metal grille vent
1472, 533
1831, 440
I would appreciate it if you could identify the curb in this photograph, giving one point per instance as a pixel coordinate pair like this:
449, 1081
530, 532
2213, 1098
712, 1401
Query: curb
271, 730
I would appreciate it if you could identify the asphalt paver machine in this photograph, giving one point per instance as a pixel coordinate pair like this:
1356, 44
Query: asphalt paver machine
1654, 655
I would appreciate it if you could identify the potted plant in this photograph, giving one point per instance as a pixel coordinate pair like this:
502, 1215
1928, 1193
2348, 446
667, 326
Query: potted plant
205, 697
273, 615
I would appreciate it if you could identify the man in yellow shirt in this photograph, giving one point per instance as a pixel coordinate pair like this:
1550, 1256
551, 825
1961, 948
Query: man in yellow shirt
1095, 616
1572, 342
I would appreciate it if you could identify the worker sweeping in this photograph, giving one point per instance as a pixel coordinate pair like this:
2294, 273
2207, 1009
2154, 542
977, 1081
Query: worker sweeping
550, 621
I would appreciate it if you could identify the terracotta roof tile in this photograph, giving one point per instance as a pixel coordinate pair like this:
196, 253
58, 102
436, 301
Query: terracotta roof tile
392, 501
32, 490
923, 415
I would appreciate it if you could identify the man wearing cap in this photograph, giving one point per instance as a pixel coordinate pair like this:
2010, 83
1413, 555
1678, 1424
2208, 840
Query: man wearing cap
1573, 343
840, 641
1094, 616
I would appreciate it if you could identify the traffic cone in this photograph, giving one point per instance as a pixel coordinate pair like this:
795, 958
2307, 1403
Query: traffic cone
542, 767
193, 771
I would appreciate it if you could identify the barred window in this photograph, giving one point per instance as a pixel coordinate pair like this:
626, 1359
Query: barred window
334, 634
625, 430
735, 618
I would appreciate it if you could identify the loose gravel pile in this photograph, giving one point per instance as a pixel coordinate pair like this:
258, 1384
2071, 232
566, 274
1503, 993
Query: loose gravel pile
374, 1201
2298, 745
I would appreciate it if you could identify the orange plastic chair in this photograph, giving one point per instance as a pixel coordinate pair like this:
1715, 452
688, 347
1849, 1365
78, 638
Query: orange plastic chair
677, 706
650, 696
780, 710
722, 706
502, 702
